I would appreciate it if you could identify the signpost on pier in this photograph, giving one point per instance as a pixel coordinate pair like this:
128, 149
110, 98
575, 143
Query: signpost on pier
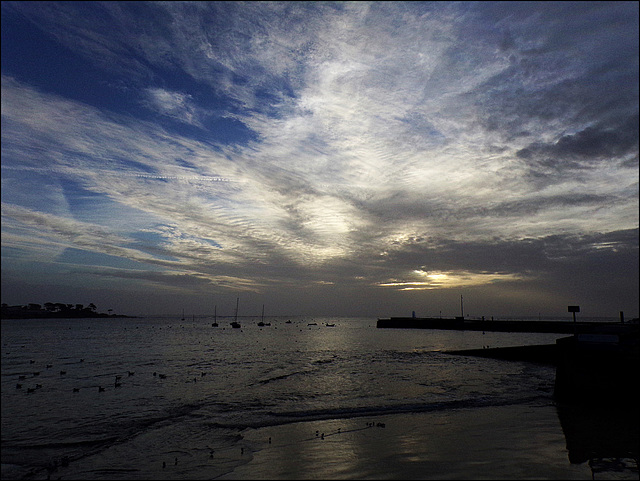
574, 309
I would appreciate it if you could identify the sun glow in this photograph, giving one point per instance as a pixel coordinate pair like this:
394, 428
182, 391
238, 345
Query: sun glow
429, 280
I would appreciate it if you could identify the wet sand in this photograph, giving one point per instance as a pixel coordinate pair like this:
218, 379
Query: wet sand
507, 442
498, 442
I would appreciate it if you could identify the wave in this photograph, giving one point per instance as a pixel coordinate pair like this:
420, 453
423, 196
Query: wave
63, 444
276, 418
314, 366
282, 376
339, 413
107, 471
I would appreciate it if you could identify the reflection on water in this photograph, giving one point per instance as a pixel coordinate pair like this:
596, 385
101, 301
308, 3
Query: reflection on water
606, 437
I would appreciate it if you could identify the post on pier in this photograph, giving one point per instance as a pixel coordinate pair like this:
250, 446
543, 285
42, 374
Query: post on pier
574, 309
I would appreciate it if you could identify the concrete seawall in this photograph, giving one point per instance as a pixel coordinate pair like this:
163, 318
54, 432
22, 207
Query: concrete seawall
459, 324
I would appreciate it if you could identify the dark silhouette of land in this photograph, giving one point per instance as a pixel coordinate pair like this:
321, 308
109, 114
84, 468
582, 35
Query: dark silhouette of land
52, 310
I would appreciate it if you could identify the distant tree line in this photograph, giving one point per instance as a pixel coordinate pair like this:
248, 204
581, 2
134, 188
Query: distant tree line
53, 310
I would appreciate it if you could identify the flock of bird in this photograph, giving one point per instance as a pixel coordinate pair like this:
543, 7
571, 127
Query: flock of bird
116, 384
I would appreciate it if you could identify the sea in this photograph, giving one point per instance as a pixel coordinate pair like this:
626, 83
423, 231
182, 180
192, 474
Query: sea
172, 398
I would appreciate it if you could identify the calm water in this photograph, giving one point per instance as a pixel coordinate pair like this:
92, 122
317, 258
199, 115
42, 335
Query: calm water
194, 388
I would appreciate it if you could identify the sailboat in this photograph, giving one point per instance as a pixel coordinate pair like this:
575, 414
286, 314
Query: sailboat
235, 322
182, 315
215, 317
262, 323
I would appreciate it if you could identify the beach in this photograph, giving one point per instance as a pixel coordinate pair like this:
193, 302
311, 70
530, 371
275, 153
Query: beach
504, 442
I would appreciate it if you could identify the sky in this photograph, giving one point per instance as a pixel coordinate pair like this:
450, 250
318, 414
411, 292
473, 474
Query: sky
321, 158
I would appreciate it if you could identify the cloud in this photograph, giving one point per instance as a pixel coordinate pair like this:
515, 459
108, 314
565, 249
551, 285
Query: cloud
173, 104
610, 142
383, 140
430, 280
68, 232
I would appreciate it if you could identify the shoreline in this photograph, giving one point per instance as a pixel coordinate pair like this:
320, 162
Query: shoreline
516, 441
497, 442
55, 315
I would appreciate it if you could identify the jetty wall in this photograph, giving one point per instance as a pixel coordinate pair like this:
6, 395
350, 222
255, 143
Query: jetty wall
460, 324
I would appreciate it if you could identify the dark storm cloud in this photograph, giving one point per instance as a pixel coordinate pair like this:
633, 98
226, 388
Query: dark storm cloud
609, 142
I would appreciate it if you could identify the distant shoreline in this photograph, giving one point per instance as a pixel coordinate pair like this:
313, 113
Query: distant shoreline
23, 312
65, 316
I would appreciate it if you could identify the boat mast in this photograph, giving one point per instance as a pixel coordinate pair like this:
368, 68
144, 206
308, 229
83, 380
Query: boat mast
262, 318
461, 307
237, 302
